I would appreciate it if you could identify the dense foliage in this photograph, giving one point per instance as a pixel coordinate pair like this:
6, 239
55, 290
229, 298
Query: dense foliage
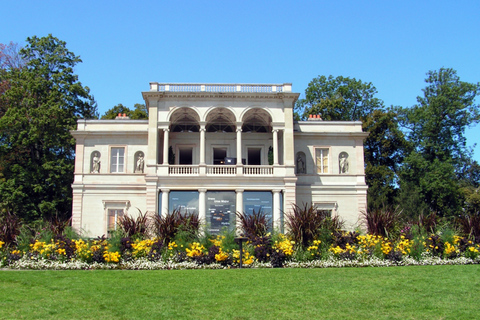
415, 157
40, 101
140, 112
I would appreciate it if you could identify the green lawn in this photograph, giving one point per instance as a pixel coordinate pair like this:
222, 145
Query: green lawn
430, 292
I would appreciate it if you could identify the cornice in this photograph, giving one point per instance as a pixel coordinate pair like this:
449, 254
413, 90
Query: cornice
161, 95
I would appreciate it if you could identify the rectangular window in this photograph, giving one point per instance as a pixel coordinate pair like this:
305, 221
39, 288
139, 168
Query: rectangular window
113, 217
259, 201
184, 201
220, 211
321, 160
117, 160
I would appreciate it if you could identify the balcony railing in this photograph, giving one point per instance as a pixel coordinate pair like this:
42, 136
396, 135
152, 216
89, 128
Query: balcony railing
183, 170
220, 87
219, 170
257, 170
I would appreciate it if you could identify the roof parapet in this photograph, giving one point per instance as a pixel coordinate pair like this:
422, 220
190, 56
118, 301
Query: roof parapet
220, 87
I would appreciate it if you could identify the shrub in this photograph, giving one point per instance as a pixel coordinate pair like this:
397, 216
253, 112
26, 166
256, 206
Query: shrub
167, 227
134, 227
9, 228
382, 222
254, 225
469, 225
308, 223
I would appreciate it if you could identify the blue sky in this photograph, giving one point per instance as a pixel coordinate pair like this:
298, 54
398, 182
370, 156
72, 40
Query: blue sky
125, 45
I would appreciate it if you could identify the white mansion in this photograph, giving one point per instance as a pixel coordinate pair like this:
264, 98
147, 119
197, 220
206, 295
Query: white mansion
215, 149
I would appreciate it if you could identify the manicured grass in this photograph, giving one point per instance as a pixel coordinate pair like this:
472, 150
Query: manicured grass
430, 292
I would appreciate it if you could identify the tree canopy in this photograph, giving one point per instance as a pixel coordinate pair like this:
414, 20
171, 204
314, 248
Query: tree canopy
415, 157
439, 164
339, 99
41, 102
140, 112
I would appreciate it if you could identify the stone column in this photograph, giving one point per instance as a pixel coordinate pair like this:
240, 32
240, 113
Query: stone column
164, 209
239, 143
238, 208
151, 157
165, 145
201, 205
275, 147
202, 143
277, 218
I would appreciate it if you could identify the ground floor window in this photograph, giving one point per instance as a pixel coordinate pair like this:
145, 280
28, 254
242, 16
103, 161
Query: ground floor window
184, 201
220, 210
258, 201
114, 216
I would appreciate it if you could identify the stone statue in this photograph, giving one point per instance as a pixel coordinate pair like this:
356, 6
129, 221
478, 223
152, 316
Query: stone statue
300, 165
96, 163
343, 162
140, 164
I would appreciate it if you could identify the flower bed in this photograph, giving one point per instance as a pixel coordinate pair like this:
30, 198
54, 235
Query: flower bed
347, 250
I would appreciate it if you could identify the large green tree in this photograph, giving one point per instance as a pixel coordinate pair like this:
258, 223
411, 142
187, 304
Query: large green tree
42, 101
339, 99
436, 127
347, 99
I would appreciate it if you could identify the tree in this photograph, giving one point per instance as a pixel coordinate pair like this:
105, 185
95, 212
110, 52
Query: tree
437, 123
346, 99
339, 99
436, 127
43, 100
140, 112
385, 149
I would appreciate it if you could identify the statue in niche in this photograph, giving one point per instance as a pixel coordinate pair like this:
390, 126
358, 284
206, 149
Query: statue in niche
301, 165
343, 162
96, 163
140, 163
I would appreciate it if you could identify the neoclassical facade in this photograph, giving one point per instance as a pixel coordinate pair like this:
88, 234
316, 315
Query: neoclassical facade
216, 149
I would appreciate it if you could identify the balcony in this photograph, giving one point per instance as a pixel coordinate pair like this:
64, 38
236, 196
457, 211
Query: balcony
219, 170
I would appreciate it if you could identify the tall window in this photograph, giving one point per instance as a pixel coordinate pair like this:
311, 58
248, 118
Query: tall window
113, 217
117, 161
321, 160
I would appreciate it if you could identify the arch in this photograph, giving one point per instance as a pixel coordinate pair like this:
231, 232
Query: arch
220, 119
256, 120
95, 162
184, 119
139, 162
300, 163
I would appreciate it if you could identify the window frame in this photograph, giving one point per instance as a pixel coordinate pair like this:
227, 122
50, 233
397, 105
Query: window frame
112, 156
328, 160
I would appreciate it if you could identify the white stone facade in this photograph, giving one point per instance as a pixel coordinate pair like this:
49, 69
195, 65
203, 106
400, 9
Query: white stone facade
216, 149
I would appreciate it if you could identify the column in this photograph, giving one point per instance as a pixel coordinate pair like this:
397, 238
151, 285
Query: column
164, 210
277, 218
239, 208
165, 145
202, 143
239, 143
201, 205
275, 147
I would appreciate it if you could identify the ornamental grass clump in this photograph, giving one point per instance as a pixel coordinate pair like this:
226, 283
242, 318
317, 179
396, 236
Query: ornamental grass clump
382, 222
469, 225
254, 225
9, 228
167, 227
135, 228
306, 224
